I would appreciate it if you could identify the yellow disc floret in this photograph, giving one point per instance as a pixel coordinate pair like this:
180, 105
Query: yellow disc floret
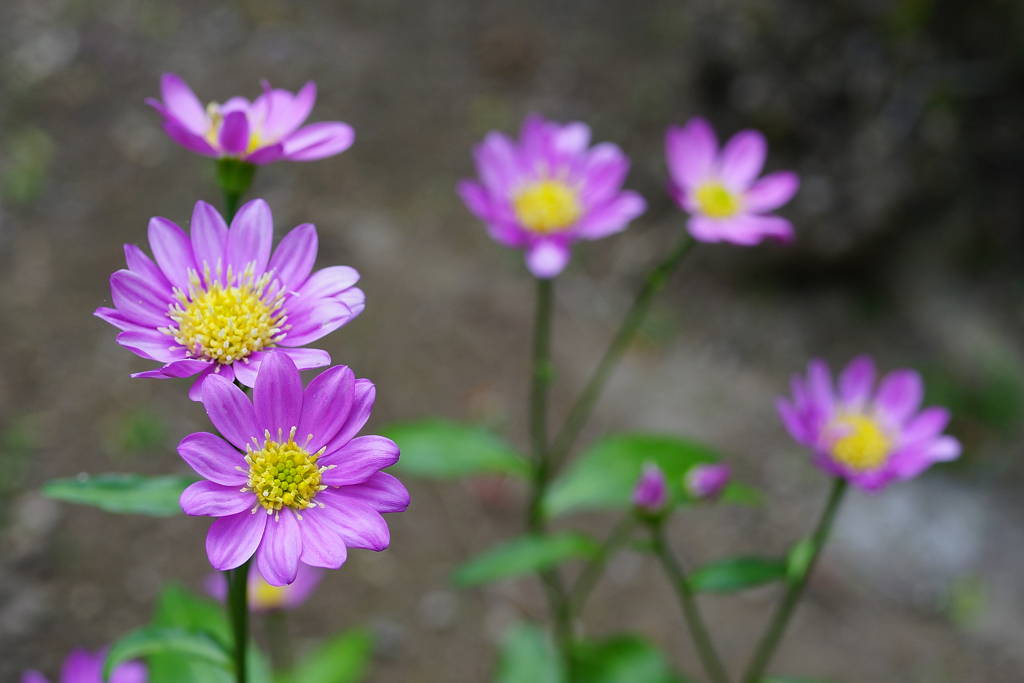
547, 206
265, 596
227, 319
864, 444
283, 474
714, 200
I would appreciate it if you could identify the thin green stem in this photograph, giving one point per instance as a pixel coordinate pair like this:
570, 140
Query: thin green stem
591, 573
238, 607
698, 631
777, 626
234, 178
580, 412
541, 380
277, 638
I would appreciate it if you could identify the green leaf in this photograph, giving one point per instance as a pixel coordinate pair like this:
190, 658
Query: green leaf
606, 473
736, 574
528, 656
444, 450
799, 559
123, 493
524, 555
342, 659
179, 607
156, 640
622, 659
742, 494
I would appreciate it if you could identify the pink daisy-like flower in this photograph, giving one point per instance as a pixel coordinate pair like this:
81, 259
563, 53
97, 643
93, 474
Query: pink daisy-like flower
215, 302
706, 481
651, 491
258, 132
82, 666
288, 481
868, 437
549, 190
262, 596
721, 192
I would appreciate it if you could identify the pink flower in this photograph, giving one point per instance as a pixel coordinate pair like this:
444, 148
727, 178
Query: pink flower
549, 190
215, 302
264, 597
259, 132
721, 191
868, 437
82, 666
706, 482
288, 481
651, 492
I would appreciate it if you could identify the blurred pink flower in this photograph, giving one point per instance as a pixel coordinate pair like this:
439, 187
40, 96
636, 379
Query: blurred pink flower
264, 597
868, 437
549, 190
706, 482
216, 302
259, 132
83, 666
720, 191
320, 495
651, 492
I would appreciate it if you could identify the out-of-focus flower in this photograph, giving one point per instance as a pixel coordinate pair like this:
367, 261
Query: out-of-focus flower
215, 302
651, 492
321, 489
258, 132
706, 482
549, 190
721, 192
868, 437
82, 666
262, 596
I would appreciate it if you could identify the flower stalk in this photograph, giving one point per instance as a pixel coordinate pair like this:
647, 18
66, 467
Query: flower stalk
234, 177
591, 573
541, 381
238, 608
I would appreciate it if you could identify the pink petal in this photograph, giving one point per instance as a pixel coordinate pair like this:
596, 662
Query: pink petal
742, 159
115, 318
310, 324
475, 197
234, 133
899, 395
355, 521
605, 170
247, 368
266, 155
363, 396
209, 237
195, 392
612, 217
129, 672
279, 551
294, 257
188, 139
231, 412
497, 164
927, 425
793, 422
748, 230
856, 382
172, 250
32, 676
215, 500
318, 141
277, 396
322, 545
572, 138
547, 258
358, 460
771, 192
214, 458
327, 283
691, 152
181, 103
819, 388
176, 369
326, 404
138, 299
704, 229
152, 345
285, 115
139, 263
306, 359
233, 540
382, 492
250, 238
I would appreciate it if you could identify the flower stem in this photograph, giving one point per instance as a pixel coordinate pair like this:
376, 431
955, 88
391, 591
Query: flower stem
654, 283
277, 637
698, 631
234, 178
238, 607
588, 578
542, 375
772, 636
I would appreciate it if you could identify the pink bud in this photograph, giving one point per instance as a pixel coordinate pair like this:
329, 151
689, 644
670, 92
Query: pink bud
706, 482
651, 492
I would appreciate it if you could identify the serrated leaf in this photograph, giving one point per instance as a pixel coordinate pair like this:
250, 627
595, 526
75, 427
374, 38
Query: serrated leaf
737, 573
528, 656
156, 640
123, 493
443, 449
524, 555
342, 659
622, 659
605, 474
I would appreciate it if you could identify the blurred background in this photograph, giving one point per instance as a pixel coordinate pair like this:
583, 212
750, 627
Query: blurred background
903, 118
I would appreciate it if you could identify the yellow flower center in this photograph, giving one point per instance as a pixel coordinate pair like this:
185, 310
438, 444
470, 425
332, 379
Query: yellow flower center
283, 474
864, 446
547, 206
227, 322
715, 201
265, 596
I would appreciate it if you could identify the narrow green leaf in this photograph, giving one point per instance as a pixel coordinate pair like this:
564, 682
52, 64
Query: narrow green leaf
181, 608
622, 659
123, 493
445, 450
605, 474
736, 574
799, 559
155, 640
524, 555
342, 659
528, 656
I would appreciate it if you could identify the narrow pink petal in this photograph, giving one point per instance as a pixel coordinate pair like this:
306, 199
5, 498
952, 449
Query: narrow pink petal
231, 412
704, 229
250, 238
139, 263
944, 448
115, 318
195, 392
771, 192
214, 458
927, 425
233, 540
328, 282
358, 460
748, 230
497, 163
307, 359
138, 299
178, 369
181, 103
690, 152
234, 133
742, 159
206, 498
294, 257
277, 396
509, 234
572, 138
322, 545
611, 218
152, 345
266, 155
319, 141
326, 404
82, 665
355, 521
32, 676
279, 551
475, 197
856, 382
363, 396
248, 368
129, 672
209, 237
819, 388
382, 492
793, 422
172, 250
312, 323
547, 258
286, 115
605, 170
188, 139
899, 395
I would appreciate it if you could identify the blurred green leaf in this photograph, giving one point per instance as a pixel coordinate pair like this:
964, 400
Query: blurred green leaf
799, 559
28, 156
179, 607
123, 493
606, 473
155, 640
344, 658
622, 659
444, 450
528, 656
142, 431
742, 494
737, 573
524, 555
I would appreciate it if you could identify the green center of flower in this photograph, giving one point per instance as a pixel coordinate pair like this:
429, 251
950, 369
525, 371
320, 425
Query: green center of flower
715, 201
864, 445
547, 206
283, 474
227, 322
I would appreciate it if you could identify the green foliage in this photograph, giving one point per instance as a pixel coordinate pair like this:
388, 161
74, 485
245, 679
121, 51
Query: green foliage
342, 659
622, 659
524, 555
441, 449
28, 157
158, 640
737, 573
742, 494
123, 493
142, 431
799, 559
528, 656
605, 474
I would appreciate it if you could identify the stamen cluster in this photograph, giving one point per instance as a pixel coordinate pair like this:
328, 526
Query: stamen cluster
284, 474
547, 206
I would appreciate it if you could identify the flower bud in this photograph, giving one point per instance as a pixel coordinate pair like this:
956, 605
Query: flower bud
706, 482
651, 492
